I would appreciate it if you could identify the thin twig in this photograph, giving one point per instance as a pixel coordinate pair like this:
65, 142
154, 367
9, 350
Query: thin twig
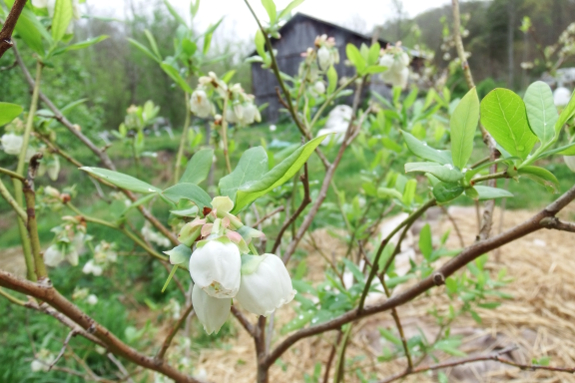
332, 356
269, 215
121, 367
9, 25
496, 357
168, 341
437, 278
306, 201
455, 225
65, 344
249, 327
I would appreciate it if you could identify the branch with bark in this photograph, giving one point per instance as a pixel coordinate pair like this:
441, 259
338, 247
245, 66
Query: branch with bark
9, 25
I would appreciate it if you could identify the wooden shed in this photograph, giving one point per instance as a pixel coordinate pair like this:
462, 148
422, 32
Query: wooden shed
297, 35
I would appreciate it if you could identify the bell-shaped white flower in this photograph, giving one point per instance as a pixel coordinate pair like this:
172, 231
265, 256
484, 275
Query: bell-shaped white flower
92, 268
212, 312
570, 162
324, 58
12, 143
53, 256
319, 87
200, 104
266, 285
215, 267
92, 300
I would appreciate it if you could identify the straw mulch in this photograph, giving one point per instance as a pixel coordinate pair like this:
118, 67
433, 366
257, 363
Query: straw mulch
539, 320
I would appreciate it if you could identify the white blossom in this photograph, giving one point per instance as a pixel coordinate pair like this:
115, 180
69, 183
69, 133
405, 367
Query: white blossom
215, 268
561, 96
319, 87
92, 300
266, 288
91, 268
53, 257
211, 312
12, 143
273, 128
324, 58
200, 104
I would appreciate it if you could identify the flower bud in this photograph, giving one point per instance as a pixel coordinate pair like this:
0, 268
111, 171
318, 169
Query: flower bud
319, 87
212, 312
12, 143
266, 284
191, 231
53, 257
215, 267
91, 268
200, 104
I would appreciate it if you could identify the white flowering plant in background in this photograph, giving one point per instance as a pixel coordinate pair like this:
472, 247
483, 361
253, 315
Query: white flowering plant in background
227, 230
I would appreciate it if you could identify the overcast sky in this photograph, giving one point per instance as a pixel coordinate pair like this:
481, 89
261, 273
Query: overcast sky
361, 15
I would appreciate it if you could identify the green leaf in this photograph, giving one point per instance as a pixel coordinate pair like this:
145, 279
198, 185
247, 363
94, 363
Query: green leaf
463, 124
425, 243
198, 167
63, 13
446, 173
387, 192
373, 69
260, 41
139, 202
122, 180
445, 192
541, 111
252, 166
190, 192
31, 30
8, 112
541, 176
277, 176
176, 14
504, 116
331, 80
270, 7
153, 44
194, 7
391, 144
355, 57
175, 75
566, 115
286, 11
86, 44
373, 56
301, 320
144, 50
395, 281
488, 192
389, 336
409, 192
426, 152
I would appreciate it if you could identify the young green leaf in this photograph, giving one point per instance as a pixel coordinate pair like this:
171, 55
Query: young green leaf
63, 13
565, 115
270, 7
194, 7
175, 75
153, 44
86, 43
355, 57
541, 176
122, 180
252, 166
409, 192
463, 124
373, 56
331, 80
31, 30
260, 43
190, 192
503, 115
487, 192
445, 192
198, 167
541, 111
421, 149
425, 243
175, 13
446, 173
9, 112
144, 50
277, 176
286, 11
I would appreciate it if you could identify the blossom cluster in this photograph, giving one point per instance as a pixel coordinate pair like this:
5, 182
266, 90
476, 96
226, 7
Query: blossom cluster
240, 107
68, 243
104, 256
396, 60
223, 265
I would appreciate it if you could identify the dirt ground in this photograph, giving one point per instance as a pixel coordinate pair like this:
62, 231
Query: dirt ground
539, 320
